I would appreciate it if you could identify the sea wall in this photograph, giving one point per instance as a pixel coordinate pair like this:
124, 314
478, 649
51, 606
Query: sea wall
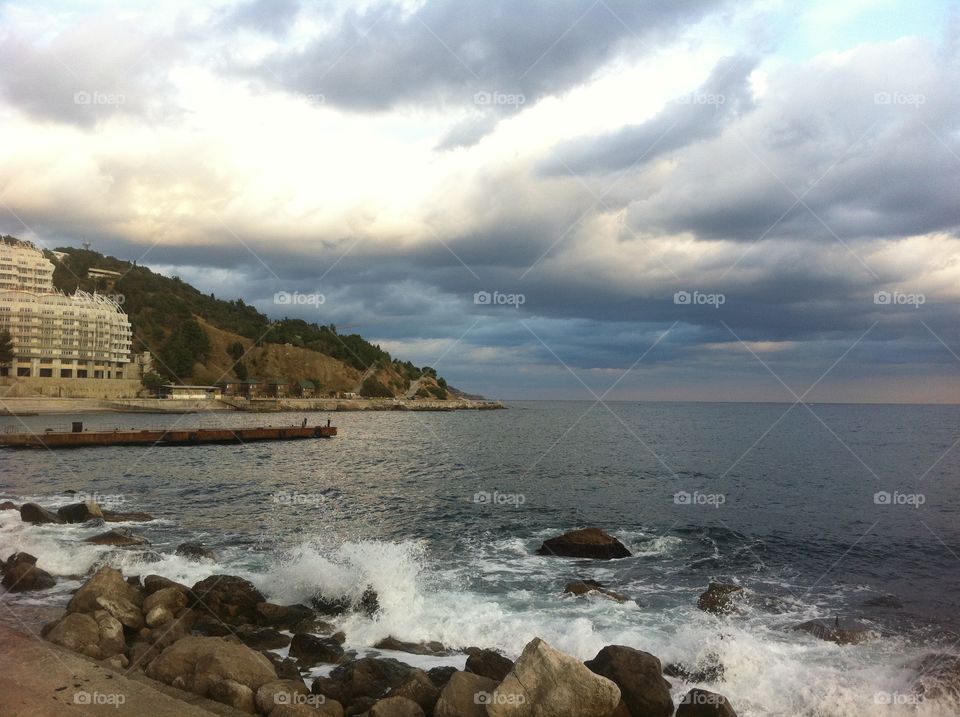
103, 388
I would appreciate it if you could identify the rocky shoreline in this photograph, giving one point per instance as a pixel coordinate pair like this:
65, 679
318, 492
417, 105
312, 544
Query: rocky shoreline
222, 640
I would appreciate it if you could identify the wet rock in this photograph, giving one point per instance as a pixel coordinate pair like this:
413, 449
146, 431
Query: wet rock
7, 505
80, 512
153, 583
466, 695
213, 667
701, 703
842, 633
489, 664
310, 650
280, 692
720, 598
123, 610
119, 537
708, 669
891, 602
414, 648
286, 667
588, 543
106, 583
113, 516
419, 689
588, 587
272, 615
196, 552
262, 638
546, 681
358, 681
33, 513
440, 676
21, 574
937, 677
171, 598
396, 707
368, 603
639, 677
230, 599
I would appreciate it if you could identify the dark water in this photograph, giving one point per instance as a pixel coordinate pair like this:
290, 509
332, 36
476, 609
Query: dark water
442, 513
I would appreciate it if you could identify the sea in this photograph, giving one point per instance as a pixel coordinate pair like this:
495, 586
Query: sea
820, 511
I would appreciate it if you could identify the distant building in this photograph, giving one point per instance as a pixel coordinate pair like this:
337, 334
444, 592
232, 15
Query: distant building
304, 389
196, 392
276, 388
55, 335
93, 273
249, 388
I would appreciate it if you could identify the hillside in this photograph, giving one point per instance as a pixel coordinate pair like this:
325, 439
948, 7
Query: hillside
199, 338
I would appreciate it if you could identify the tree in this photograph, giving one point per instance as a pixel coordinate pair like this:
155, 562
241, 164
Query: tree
153, 381
6, 348
372, 388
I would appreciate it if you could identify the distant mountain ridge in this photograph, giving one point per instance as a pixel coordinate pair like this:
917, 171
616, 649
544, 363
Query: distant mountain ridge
198, 338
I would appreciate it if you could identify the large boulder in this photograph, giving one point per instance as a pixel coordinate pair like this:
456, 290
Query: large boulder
33, 513
702, 703
639, 677
99, 636
362, 681
281, 692
489, 664
118, 537
720, 598
544, 681
21, 574
107, 583
396, 707
8, 505
842, 633
414, 648
587, 543
196, 552
230, 599
171, 598
282, 616
80, 512
466, 695
154, 583
420, 689
113, 516
214, 667
368, 602
310, 650
592, 587
441, 675
262, 638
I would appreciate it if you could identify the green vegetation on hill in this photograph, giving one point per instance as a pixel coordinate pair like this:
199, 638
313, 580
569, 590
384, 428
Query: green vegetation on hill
163, 312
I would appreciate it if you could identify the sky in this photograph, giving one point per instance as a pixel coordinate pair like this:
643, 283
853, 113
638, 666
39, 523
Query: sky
545, 199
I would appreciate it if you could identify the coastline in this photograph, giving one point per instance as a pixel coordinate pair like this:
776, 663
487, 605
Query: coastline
45, 406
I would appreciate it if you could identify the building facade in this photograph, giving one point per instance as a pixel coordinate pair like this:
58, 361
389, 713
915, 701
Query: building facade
55, 335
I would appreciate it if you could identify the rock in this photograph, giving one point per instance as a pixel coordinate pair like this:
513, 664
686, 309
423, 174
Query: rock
396, 707
7, 505
281, 692
328, 708
213, 667
701, 703
196, 552
414, 648
639, 677
165, 634
489, 664
708, 669
938, 677
420, 690
262, 638
120, 537
283, 616
368, 602
80, 512
440, 676
718, 598
105, 583
465, 695
847, 633
78, 632
588, 543
172, 598
544, 681
891, 602
310, 650
124, 610
112, 516
592, 587
368, 678
154, 583
112, 641
286, 667
33, 513
21, 574
231, 599
160, 615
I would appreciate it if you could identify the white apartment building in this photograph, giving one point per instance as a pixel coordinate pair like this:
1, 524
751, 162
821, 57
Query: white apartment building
56, 335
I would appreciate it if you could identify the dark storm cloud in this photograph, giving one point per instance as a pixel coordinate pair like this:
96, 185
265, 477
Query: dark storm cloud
699, 115
474, 53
